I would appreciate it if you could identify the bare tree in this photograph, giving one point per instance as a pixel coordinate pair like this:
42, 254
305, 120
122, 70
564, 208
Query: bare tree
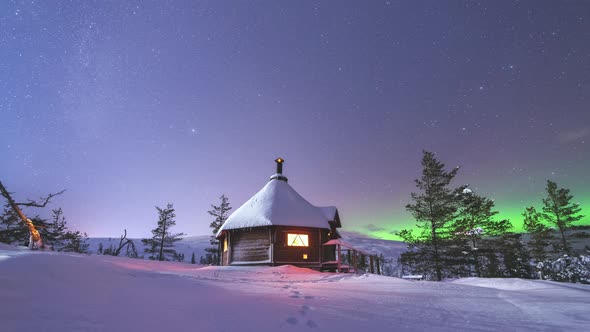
128, 243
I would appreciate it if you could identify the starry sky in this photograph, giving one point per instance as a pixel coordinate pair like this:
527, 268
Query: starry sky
129, 105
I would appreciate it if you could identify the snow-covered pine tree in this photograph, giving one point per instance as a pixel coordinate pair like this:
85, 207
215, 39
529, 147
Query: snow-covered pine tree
193, 261
567, 269
434, 208
560, 211
220, 213
161, 245
540, 234
476, 220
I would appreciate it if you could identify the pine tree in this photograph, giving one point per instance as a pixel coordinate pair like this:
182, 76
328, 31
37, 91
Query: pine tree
100, 248
560, 211
515, 257
492, 267
362, 263
12, 229
161, 245
476, 220
434, 209
220, 213
54, 232
193, 261
539, 234
75, 241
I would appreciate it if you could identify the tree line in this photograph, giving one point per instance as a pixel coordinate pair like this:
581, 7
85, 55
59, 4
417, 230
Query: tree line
58, 236
460, 235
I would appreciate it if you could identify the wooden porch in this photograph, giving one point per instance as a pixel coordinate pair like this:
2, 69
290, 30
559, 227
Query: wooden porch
355, 259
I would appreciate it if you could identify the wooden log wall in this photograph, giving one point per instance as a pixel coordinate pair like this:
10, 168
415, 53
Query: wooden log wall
250, 245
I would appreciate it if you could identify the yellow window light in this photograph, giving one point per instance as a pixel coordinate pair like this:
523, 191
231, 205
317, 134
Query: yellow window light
297, 240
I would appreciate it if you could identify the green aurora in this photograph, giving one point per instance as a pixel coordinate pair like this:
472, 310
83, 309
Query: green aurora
384, 225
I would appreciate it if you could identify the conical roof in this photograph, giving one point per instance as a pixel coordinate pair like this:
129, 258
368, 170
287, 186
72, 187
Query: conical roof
277, 203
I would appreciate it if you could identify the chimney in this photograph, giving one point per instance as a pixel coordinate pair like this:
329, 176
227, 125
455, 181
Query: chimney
279, 162
279, 174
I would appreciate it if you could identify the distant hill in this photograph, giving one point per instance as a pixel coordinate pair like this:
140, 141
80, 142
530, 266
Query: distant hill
390, 249
186, 246
197, 244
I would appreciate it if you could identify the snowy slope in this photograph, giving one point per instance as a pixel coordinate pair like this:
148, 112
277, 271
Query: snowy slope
45, 291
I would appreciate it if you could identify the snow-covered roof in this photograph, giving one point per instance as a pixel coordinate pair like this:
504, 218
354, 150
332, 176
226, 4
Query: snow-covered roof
277, 203
328, 211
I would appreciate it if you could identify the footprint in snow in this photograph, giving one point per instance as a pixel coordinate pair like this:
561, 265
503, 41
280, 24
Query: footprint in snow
304, 309
311, 324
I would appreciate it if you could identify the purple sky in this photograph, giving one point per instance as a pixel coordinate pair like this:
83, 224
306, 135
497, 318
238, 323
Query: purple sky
129, 105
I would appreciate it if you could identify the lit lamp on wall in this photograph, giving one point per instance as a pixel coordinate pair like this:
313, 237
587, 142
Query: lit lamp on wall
304, 256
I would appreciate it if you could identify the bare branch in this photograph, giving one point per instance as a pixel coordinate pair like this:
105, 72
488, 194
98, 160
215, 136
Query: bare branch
44, 200
125, 242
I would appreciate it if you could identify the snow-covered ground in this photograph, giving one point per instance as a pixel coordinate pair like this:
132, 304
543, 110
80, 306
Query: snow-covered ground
48, 291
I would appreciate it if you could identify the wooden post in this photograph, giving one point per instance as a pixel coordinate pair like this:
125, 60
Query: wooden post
35, 236
229, 246
320, 248
354, 264
372, 267
219, 253
339, 254
378, 265
271, 247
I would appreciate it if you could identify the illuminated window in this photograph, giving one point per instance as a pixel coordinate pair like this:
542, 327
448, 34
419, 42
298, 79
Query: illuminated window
225, 244
304, 256
297, 240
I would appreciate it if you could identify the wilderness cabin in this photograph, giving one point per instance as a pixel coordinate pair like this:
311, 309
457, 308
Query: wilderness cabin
277, 226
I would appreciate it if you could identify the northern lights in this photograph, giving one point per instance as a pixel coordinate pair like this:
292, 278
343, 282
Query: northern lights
128, 105
405, 221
